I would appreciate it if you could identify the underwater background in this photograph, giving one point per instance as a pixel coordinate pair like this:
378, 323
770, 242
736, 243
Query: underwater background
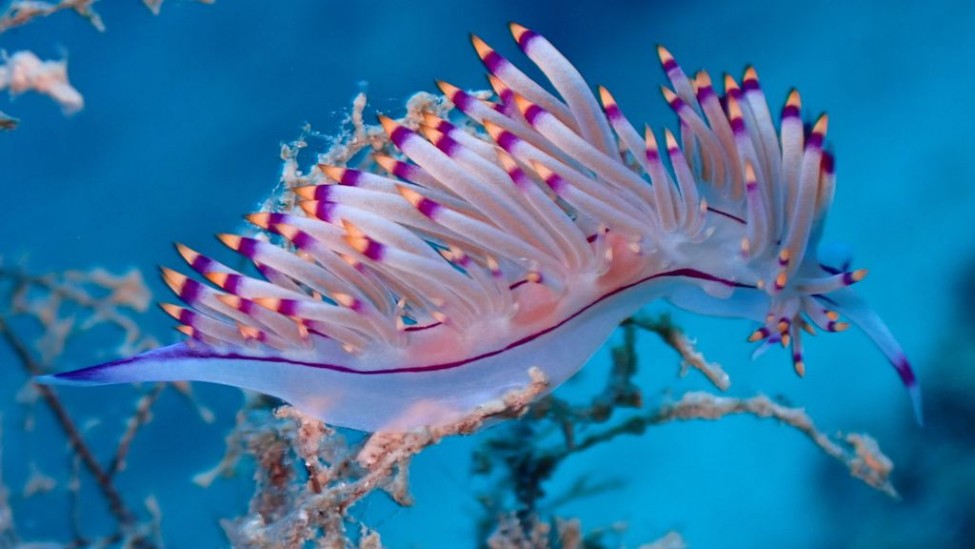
180, 135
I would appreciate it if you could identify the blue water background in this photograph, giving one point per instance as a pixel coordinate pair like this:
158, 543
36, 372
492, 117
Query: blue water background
180, 136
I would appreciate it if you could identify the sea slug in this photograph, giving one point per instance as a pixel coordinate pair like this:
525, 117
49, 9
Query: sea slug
408, 294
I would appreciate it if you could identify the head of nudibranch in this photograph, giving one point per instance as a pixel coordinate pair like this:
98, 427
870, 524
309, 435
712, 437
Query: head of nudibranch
516, 236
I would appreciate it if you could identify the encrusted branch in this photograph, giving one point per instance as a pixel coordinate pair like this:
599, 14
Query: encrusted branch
8, 535
331, 475
142, 415
526, 458
67, 425
59, 307
859, 452
678, 340
24, 71
21, 12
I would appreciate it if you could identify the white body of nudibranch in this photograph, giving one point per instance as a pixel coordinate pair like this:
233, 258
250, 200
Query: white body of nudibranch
411, 298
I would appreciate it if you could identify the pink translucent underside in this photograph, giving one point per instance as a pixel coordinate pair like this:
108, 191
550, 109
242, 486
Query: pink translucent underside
439, 378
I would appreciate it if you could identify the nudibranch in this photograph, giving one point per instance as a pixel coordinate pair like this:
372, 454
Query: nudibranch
520, 237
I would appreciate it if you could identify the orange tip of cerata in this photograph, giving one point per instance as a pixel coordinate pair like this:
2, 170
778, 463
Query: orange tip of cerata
389, 125
217, 277
605, 97
334, 173
307, 192
173, 278
481, 47
261, 219
517, 31
821, 125
793, 100
232, 241
172, 310
664, 54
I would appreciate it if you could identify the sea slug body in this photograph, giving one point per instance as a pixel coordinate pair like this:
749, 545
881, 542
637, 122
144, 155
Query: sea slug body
410, 293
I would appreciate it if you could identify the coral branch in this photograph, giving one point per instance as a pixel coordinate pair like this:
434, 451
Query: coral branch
61, 307
23, 71
862, 456
141, 416
67, 424
331, 474
21, 12
8, 536
7, 122
678, 340
526, 459
43, 297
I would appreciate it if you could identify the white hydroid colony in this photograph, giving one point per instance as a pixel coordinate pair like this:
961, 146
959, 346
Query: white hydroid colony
409, 299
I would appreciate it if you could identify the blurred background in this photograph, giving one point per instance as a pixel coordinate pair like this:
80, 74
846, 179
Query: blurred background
180, 136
